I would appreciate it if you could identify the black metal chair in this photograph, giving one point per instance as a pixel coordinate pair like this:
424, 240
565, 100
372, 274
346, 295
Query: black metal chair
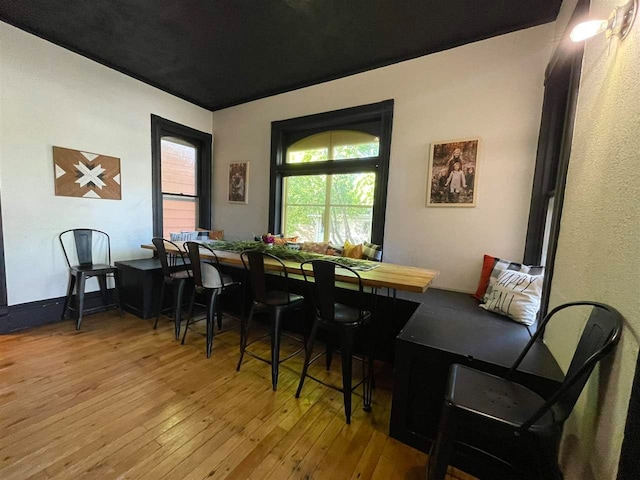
88, 254
207, 280
277, 302
514, 417
346, 321
176, 273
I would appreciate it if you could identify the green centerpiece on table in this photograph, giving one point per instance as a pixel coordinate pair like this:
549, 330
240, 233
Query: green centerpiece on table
286, 253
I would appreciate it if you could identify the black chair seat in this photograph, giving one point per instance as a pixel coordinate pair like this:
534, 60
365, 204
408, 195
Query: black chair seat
181, 275
496, 398
349, 315
97, 268
278, 298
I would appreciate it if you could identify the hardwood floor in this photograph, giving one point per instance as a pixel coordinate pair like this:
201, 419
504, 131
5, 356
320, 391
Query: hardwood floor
120, 400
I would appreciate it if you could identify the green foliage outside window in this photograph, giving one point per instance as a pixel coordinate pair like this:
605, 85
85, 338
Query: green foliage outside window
350, 199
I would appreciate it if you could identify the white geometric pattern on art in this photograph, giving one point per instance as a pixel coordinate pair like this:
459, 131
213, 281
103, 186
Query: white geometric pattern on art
90, 156
59, 171
91, 194
90, 175
116, 179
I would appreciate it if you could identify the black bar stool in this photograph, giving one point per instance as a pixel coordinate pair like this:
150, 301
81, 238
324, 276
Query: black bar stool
344, 320
207, 279
176, 273
277, 302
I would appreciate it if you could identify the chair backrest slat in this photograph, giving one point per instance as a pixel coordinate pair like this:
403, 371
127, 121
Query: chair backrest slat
600, 335
253, 261
323, 286
168, 258
85, 247
206, 274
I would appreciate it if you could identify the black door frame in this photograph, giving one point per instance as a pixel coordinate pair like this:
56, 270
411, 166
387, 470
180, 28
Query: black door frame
3, 271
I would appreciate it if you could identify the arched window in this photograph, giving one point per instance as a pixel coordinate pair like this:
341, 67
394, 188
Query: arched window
330, 207
329, 175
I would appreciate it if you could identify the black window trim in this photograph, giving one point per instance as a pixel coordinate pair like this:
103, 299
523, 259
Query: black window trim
381, 112
161, 127
565, 63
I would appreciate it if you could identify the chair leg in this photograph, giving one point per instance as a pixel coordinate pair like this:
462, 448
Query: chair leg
441, 451
118, 293
67, 300
80, 298
307, 357
276, 319
218, 310
177, 307
367, 382
160, 301
346, 340
102, 282
244, 335
329, 354
211, 321
191, 303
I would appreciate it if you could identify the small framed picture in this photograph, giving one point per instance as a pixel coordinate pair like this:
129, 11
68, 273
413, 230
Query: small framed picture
453, 173
239, 182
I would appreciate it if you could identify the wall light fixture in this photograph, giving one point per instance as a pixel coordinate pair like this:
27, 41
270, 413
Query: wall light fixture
618, 24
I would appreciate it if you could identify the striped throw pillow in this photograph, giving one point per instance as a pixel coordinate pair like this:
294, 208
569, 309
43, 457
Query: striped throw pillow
371, 251
500, 266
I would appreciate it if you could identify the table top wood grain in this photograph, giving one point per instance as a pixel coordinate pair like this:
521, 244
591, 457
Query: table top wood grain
385, 275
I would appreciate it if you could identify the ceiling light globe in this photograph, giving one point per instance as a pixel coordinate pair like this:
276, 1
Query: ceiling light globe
585, 30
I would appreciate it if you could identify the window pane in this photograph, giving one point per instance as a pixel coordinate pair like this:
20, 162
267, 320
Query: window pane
333, 145
178, 167
304, 222
362, 150
306, 190
305, 156
353, 189
178, 214
547, 232
350, 223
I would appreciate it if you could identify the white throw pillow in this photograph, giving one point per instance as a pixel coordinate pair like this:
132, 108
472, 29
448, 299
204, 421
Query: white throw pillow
516, 295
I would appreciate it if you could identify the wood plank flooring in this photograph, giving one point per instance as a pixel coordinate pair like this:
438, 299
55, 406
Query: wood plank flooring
118, 400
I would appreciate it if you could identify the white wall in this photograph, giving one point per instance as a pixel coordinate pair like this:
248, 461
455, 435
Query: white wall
51, 96
492, 89
598, 255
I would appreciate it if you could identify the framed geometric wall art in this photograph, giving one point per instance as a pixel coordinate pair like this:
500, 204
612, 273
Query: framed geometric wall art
86, 175
453, 173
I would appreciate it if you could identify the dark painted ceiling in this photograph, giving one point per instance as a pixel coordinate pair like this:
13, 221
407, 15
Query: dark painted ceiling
218, 53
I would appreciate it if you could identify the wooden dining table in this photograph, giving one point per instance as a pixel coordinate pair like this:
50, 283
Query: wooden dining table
384, 275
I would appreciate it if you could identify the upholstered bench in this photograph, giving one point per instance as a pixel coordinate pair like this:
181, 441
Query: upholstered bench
449, 327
